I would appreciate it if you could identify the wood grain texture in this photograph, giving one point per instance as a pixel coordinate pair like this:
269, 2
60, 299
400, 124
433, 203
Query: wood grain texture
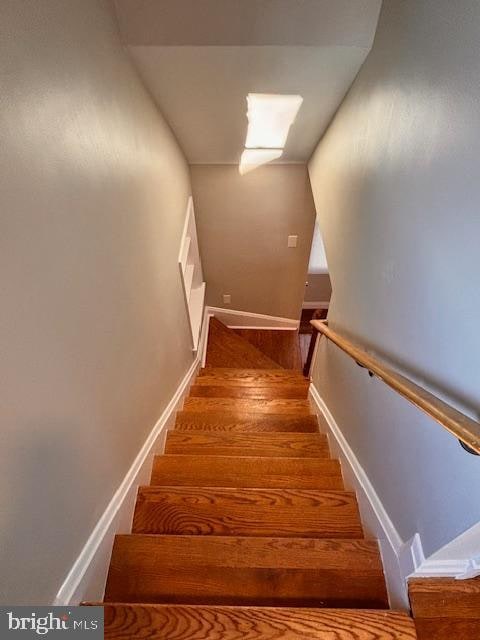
458, 424
281, 346
239, 406
224, 471
290, 445
447, 629
249, 377
246, 571
245, 422
225, 348
444, 598
445, 608
257, 392
247, 512
177, 622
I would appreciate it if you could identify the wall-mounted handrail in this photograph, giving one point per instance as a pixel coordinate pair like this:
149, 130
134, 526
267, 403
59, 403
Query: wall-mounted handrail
461, 426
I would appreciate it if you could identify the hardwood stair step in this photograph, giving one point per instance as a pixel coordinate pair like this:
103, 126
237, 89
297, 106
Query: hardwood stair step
246, 571
247, 512
183, 622
444, 608
278, 344
257, 392
255, 472
225, 348
250, 377
244, 422
239, 406
291, 445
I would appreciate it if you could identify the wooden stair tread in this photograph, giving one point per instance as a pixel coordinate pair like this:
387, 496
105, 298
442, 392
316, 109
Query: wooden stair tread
245, 422
250, 377
239, 471
257, 392
239, 406
226, 348
247, 512
246, 570
243, 444
183, 622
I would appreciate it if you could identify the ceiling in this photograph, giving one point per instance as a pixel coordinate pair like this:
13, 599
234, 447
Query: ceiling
200, 59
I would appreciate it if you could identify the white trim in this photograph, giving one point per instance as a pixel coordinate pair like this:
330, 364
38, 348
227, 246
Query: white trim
441, 569
410, 555
235, 319
316, 305
191, 274
375, 519
203, 343
86, 578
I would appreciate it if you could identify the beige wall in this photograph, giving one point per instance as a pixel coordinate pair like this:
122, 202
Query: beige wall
243, 223
319, 287
93, 333
396, 187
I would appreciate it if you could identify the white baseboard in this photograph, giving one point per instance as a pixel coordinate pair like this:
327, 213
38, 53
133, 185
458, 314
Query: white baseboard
235, 319
397, 556
86, 579
203, 342
316, 305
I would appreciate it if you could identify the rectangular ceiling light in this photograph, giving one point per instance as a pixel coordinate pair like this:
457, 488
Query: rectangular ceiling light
270, 117
253, 158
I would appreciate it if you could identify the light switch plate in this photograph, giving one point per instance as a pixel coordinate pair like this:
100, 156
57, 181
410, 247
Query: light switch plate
227, 298
292, 241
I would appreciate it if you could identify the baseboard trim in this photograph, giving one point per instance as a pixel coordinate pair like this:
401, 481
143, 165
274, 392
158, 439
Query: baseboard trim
86, 578
236, 319
316, 305
375, 519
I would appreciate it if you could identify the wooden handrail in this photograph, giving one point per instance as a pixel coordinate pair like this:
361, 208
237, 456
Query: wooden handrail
461, 426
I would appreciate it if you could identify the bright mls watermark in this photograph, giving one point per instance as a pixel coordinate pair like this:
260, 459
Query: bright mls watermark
60, 622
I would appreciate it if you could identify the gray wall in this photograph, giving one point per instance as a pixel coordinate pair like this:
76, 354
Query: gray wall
396, 185
94, 340
243, 223
319, 288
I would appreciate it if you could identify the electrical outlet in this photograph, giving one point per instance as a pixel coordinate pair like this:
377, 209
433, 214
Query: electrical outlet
292, 242
227, 298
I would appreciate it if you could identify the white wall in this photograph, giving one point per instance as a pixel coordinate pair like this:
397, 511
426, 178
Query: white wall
93, 333
395, 182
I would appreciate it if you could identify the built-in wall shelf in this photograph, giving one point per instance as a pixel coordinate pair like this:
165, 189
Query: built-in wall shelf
192, 275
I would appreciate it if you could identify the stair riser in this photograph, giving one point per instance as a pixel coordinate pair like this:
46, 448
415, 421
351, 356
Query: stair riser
275, 444
235, 512
222, 471
292, 392
245, 422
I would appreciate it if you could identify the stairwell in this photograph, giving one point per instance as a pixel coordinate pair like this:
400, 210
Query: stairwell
246, 530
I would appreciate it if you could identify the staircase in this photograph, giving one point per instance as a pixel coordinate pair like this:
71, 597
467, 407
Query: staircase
246, 531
